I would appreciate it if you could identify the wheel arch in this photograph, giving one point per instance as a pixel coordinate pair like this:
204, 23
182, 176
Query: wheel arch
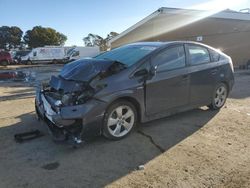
133, 101
227, 85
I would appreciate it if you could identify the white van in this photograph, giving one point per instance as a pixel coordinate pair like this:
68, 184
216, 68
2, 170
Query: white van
82, 52
47, 54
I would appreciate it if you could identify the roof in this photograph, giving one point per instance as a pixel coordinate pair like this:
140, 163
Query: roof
165, 43
156, 44
197, 14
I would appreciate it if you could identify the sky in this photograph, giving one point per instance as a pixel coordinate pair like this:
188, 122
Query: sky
77, 18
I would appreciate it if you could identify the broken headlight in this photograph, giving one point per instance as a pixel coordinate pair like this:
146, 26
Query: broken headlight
76, 98
66, 99
83, 97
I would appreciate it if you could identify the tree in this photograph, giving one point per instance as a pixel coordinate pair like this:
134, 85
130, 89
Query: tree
10, 37
111, 35
15, 36
40, 36
96, 40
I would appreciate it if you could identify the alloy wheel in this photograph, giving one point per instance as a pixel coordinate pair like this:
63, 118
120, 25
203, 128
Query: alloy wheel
220, 96
121, 121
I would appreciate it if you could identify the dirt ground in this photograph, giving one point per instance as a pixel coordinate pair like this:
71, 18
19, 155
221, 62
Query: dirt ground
198, 148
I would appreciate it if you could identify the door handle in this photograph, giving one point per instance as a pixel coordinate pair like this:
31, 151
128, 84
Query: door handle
185, 77
214, 71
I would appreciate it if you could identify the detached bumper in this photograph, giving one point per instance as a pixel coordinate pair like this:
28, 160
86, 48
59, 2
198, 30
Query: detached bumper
83, 119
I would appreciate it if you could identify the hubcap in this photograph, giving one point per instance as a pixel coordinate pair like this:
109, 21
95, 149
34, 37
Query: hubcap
220, 96
121, 121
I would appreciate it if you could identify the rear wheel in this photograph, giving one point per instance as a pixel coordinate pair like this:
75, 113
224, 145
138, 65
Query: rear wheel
119, 120
29, 62
54, 61
4, 63
219, 97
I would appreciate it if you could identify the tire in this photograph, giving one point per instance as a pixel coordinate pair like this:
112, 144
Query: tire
219, 97
4, 63
29, 62
54, 61
119, 120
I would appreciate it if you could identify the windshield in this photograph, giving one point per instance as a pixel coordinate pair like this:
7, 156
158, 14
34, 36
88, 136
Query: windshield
22, 53
70, 51
127, 55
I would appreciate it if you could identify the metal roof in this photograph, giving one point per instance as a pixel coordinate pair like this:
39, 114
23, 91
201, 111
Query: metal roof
225, 14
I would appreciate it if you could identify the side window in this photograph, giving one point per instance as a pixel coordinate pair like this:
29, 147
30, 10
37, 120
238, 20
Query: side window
215, 56
198, 55
170, 59
34, 53
76, 53
144, 65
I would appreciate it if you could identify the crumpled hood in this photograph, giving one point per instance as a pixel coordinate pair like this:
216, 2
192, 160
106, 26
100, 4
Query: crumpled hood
84, 69
59, 83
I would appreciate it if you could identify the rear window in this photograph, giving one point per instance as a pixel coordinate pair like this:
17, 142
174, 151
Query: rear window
198, 54
223, 57
215, 56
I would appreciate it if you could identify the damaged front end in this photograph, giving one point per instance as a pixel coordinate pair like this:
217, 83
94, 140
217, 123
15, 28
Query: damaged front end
51, 100
67, 103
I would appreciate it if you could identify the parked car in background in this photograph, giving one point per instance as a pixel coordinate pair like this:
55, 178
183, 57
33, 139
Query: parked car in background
13, 75
19, 54
47, 54
5, 58
82, 52
139, 82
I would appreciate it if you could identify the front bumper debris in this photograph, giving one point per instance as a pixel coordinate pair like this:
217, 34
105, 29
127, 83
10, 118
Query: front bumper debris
21, 137
70, 123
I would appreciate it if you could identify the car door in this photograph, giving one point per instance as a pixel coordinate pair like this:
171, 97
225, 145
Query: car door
203, 73
169, 87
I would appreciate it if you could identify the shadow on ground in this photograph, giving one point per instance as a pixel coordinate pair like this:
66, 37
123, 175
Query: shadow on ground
42, 163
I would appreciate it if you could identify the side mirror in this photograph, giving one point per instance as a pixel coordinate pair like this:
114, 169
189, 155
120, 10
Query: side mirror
153, 70
141, 73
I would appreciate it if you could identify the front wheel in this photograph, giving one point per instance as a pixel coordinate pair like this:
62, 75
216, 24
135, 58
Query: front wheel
119, 120
219, 97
